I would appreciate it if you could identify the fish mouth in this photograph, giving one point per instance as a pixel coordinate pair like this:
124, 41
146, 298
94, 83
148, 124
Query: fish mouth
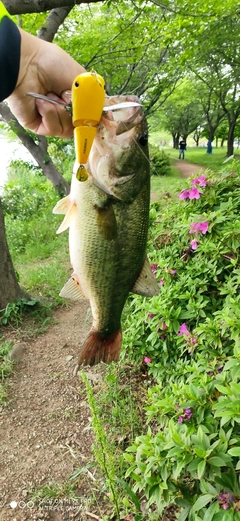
123, 119
127, 124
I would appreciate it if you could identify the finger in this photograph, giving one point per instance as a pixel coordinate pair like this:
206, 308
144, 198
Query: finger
66, 96
55, 120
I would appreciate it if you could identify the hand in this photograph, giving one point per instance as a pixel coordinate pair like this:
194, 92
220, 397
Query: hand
46, 69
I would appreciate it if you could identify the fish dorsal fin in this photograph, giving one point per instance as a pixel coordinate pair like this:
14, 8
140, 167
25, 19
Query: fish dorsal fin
72, 289
70, 215
63, 205
146, 283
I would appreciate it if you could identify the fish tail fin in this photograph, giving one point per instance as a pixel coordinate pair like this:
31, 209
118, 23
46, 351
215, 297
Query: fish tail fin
97, 348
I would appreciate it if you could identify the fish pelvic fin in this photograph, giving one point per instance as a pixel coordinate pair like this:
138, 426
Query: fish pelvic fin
63, 205
70, 215
72, 289
146, 284
97, 348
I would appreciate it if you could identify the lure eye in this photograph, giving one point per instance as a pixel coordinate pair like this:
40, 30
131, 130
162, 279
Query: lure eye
76, 84
143, 139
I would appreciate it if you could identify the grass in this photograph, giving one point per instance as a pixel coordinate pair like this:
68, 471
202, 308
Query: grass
169, 183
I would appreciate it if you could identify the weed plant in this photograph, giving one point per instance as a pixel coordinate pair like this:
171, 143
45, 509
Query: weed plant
6, 366
189, 337
102, 449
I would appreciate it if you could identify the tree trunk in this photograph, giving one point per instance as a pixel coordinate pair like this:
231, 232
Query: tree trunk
230, 140
211, 133
175, 140
10, 289
39, 152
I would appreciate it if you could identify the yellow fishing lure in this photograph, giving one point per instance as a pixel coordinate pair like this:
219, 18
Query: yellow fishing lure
88, 96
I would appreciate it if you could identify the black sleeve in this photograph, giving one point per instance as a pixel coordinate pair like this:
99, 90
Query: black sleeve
10, 43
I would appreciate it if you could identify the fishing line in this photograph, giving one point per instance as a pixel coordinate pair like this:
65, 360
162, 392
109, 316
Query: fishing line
143, 153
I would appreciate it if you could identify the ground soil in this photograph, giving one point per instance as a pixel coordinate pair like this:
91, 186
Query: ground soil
45, 428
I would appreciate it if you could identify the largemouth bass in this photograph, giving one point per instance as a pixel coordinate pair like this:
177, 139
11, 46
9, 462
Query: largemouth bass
107, 216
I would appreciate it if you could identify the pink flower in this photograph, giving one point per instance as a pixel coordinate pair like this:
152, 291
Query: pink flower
161, 282
147, 360
183, 330
194, 244
199, 180
154, 267
184, 194
151, 315
173, 272
163, 326
187, 415
202, 227
194, 193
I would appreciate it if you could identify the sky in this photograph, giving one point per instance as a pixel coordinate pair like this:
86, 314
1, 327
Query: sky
8, 152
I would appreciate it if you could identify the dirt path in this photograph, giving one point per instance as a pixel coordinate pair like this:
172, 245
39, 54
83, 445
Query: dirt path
45, 428
187, 169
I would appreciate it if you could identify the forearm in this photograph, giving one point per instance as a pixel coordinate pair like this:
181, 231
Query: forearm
10, 43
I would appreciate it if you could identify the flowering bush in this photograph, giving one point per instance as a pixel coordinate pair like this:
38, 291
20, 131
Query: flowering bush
190, 453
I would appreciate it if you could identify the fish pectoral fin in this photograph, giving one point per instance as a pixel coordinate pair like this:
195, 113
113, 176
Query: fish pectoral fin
72, 289
71, 214
146, 283
124, 179
63, 205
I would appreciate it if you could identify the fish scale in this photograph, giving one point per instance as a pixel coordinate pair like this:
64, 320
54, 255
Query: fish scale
107, 216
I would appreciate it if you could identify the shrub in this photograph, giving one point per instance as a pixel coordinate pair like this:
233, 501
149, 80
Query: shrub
159, 161
189, 338
28, 201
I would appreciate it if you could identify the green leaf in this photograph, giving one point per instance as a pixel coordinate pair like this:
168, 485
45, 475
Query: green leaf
214, 507
224, 390
235, 451
201, 469
201, 502
217, 462
130, 493
184, 514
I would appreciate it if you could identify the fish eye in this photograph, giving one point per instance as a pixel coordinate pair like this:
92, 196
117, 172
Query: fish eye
76, 84
143, 139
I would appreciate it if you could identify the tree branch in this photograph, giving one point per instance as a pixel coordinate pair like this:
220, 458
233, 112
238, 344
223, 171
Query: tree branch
40, 6
52, 23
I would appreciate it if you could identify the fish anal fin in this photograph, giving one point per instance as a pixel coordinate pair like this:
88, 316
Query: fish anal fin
63, 205
72, 289
97, 348
146, 284
70, 215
